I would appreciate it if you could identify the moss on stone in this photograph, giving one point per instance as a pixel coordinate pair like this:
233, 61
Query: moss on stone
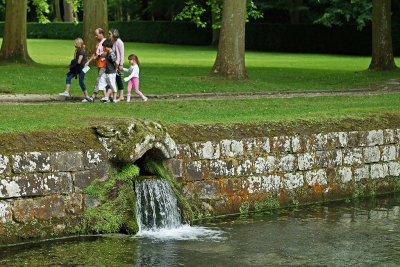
117, 209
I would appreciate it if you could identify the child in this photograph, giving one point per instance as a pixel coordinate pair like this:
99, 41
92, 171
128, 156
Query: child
76, 68
133, 78
108, 78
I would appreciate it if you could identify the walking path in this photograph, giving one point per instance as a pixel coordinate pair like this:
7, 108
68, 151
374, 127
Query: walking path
390, 87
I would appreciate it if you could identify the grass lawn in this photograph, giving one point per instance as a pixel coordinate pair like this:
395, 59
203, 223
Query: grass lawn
183, 69
25, 118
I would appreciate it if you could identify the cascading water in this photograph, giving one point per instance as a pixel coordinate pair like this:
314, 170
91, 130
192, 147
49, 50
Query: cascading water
159, 216
156, 206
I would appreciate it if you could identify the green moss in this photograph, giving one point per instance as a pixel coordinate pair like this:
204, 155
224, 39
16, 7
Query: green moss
244, 208
267, 203
117, 209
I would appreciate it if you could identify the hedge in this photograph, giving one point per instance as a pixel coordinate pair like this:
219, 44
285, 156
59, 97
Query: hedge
301, 38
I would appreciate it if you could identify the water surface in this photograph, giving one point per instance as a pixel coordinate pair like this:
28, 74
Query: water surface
358, 233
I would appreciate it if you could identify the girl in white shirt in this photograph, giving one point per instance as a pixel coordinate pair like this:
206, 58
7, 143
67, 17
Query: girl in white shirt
133, 77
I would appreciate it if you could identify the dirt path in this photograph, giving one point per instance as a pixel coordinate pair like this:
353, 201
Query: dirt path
390, 87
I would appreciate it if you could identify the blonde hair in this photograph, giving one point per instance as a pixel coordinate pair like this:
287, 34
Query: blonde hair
78, 42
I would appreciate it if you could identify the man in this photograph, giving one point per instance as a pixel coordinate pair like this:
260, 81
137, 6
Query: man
100, 57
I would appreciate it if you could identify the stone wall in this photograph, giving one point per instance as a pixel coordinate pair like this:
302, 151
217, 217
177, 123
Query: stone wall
222, 177
45, 188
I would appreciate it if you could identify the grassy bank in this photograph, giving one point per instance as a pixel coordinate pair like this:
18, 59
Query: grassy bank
25, 118
183, 69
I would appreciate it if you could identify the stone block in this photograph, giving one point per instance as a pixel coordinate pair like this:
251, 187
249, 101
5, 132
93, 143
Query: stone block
331, 158
306, 161
361, 173
388, 153
345, 174
389, 136
394, 168
221, 168
93, 158
82, 179
17, 186
244, 168
293, 180
371, 154
57, 183
5, 212
206, 150
287, 163
352, 156
24, 210
302, 143
357, 138
379, 171
316, 177
4, 165
271, 183
250, 145
74, 203
375, 137
50, 207
318, 142
232, 148
335, 140
264, 145
67, 161
207, 190
280, 144
265, 165
252, 184
31, 162
195, 170
183, 151
175, 166
90, 202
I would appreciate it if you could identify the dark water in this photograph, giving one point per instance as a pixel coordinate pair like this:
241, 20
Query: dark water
359, 233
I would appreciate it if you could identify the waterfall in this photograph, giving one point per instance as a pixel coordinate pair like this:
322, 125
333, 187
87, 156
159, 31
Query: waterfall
156, 206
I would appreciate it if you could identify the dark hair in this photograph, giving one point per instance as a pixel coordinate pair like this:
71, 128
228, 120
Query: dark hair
133, 56
100, 30
115, 33
108, 43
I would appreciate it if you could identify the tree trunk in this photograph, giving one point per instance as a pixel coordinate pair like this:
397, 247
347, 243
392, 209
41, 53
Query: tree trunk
230, 61
294, 11
94, 16
14, 47
215, 32
58, 10
68, 11
382, 50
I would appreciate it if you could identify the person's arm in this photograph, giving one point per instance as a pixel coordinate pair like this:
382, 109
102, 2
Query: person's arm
133, 73
91, 58
122, 53
80, 58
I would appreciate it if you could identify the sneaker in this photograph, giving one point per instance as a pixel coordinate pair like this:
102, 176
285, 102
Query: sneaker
64, 94
115, 101
85, 101
105, 100
145, 99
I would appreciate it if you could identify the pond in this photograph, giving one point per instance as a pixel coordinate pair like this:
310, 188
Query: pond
360, 232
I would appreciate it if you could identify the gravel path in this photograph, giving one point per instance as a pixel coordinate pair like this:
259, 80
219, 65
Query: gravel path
390, 87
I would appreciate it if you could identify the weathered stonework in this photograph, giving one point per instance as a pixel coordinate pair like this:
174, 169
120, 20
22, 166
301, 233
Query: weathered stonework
290, 168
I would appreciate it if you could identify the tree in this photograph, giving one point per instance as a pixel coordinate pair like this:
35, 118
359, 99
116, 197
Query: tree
57, 8
230, 61
14, 47
382, 50
94, 16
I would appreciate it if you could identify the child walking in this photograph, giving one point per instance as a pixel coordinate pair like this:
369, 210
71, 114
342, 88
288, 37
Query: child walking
108, 77
76, 68
133, 77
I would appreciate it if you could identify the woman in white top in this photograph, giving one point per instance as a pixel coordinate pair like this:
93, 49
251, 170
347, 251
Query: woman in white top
133, 77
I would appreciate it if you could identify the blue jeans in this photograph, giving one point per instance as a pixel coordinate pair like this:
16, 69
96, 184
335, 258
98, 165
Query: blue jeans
81, 80
120, 85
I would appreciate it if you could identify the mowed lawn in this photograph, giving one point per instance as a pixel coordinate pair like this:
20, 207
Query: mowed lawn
26, 118
183, 69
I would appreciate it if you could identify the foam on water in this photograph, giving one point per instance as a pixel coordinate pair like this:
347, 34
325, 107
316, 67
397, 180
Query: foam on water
184, 232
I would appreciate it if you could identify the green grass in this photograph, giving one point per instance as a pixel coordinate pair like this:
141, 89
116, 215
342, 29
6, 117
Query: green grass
57, 116
183, 69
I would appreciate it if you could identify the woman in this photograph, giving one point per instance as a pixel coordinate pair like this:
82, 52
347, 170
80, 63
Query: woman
119, 50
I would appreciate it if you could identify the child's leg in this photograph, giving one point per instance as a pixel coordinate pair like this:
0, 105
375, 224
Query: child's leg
128, 90
136, 86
